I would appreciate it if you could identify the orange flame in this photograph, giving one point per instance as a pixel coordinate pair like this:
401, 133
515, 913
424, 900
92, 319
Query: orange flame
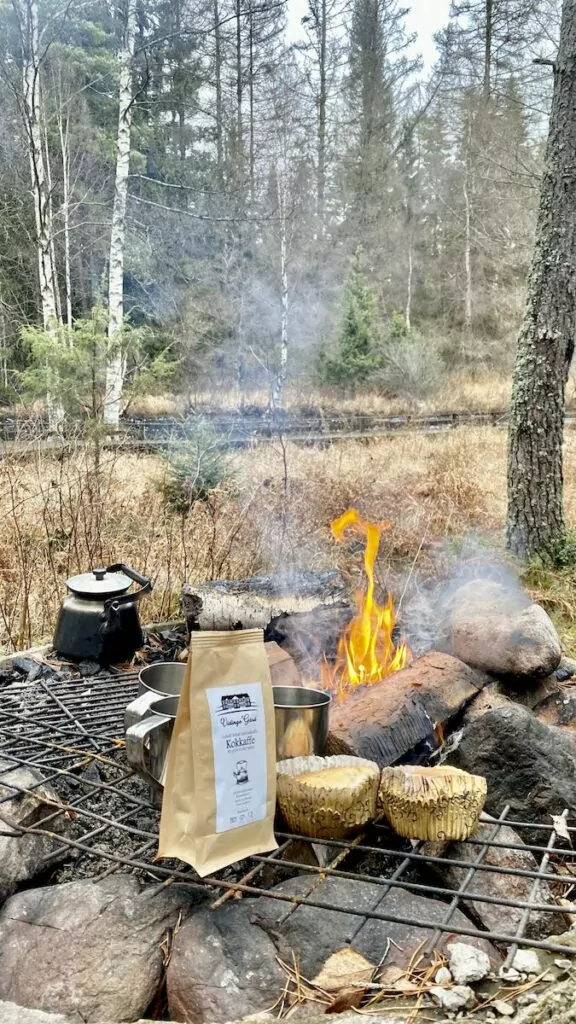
366, 651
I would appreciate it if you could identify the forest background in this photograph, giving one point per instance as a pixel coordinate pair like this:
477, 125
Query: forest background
202, 208
328, 211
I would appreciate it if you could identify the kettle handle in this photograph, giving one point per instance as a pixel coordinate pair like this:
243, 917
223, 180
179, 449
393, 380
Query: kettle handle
145, 586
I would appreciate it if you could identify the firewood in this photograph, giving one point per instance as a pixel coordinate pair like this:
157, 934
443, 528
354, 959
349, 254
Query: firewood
283, 669
386, 721
304, 612
254, 602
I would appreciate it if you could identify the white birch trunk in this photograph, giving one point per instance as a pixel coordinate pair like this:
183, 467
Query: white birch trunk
467, 261
468, 234
280, 381
321, 128
115, 368
27, 14
408, 314
65, 151
50, 224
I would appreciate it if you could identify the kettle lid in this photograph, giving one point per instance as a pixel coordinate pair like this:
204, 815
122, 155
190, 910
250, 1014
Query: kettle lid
98, 583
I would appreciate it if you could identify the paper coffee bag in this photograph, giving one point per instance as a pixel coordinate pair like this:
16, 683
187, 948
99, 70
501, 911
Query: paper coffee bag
220, 788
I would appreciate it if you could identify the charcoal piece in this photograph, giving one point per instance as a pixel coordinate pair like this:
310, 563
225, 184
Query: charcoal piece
26, 666
88, 668
91, 772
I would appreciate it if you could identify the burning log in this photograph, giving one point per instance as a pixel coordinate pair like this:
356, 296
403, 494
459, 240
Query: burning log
387, 721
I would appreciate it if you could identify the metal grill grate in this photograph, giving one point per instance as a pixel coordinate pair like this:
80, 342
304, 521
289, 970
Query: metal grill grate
69, 732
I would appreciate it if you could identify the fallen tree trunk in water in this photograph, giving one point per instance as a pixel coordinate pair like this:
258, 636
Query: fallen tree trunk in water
404, 713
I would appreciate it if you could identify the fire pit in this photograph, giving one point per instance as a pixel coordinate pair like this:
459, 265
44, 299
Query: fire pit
70, 733
77, 815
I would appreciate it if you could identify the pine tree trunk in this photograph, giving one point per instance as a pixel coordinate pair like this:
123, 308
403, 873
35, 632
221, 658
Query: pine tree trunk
218, 77
487, 83
115, 368
545, 346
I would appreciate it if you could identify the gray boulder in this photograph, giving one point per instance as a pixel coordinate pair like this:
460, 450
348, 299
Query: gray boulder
10, 1013
222, 967
555, 1005
495, 918
499, 630
87, 948
23, 856
526, 763
224, 963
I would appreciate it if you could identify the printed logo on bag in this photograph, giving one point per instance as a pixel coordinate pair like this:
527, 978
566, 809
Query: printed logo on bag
239, 743
236, 702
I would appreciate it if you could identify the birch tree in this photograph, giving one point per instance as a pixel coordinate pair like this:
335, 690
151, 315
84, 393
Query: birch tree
545, 347
27, 18
116, 363
27, 15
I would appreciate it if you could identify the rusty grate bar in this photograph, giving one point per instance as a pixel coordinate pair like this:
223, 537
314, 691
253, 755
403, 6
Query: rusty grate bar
463, 889
70, 731
534, 890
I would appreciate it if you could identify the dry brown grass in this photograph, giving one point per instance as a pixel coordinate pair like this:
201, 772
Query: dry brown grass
460, 392
58, 517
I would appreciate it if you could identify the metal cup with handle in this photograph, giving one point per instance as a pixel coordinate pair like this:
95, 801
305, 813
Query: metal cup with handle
301, 718
162, 679
148, 742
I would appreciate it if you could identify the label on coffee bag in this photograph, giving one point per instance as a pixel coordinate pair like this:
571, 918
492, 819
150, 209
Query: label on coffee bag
239, 742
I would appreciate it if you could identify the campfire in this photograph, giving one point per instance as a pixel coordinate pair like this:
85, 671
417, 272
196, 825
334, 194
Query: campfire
367, 652
78, 813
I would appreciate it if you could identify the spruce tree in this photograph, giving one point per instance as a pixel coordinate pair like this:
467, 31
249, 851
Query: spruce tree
357, 353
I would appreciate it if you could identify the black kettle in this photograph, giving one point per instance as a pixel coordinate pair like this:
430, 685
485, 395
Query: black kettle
99, 620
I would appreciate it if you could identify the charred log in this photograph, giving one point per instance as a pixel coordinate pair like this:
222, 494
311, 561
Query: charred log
304, 611
386, 722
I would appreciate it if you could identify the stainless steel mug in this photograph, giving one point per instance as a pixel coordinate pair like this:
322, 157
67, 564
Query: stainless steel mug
162, 679
301, 717
148, 742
